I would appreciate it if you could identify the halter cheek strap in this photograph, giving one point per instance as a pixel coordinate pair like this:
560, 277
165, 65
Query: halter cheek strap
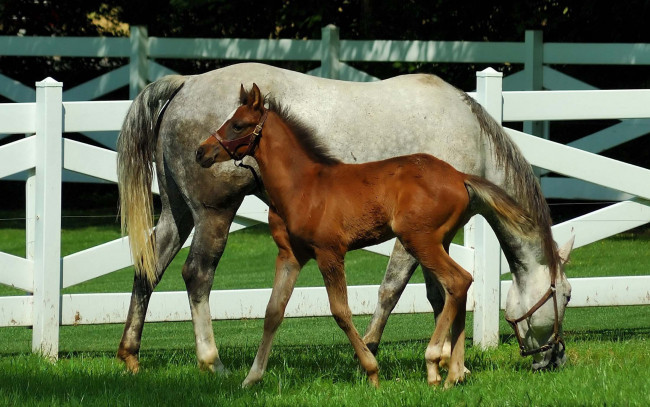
250, 141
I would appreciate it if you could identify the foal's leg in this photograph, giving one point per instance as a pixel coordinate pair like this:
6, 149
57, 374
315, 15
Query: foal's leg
210, 237
455, 282
287, 268
170, 234
400, 269
332, 268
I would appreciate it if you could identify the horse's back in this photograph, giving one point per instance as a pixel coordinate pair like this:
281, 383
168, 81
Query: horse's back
358, 122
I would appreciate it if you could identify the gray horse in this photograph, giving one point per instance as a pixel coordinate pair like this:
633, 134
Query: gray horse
357, 122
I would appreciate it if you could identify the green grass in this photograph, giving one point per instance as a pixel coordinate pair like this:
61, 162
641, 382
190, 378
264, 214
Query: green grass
312, 362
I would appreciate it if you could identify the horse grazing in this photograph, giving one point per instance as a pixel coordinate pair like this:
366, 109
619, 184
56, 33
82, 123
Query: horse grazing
321, 208
171, 116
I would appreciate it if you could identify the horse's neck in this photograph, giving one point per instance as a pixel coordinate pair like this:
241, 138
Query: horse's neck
525, 257
283, 162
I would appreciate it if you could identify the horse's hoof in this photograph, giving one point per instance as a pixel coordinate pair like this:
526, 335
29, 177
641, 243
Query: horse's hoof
250, 380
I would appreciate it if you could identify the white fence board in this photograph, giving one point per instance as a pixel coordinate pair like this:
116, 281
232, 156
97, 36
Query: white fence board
96, 116
312, 301
16, 272
570, 188
96, 261
90, 160
17, 117
16, 310
235, 48
65, 46
613, 136
99, 86
597, 54
576, 105
17, 156
601, 291
16, 91
556, 80
583, 165
431, 51
603, 223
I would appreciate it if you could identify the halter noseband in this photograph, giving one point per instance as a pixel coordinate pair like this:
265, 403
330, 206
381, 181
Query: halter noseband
555, 338
250, 140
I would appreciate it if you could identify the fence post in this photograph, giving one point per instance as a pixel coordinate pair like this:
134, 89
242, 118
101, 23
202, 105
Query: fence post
47, 212
487, 252
139, 64
330, 52
534, 74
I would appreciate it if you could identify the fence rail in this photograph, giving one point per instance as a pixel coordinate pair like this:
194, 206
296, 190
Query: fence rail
46, 154
146, 54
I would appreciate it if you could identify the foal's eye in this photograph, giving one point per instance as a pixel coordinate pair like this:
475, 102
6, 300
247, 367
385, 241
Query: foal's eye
237, 128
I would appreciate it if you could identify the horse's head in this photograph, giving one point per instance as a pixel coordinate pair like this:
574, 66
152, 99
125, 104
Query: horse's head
239, 133
535, 308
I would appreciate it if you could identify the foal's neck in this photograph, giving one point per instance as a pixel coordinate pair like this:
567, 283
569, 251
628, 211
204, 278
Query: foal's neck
284, 162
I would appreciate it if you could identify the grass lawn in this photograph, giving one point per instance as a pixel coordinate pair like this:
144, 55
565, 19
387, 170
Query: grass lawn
311, 362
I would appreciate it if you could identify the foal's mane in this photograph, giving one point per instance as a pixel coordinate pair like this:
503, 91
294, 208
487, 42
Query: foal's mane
528, 192
304, 134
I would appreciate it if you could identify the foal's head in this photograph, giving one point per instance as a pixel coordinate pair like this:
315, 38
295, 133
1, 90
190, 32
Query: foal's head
239, 134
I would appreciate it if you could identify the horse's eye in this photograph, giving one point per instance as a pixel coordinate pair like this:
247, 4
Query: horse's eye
237, 128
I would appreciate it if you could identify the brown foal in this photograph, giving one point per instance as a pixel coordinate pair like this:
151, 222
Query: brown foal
321, 208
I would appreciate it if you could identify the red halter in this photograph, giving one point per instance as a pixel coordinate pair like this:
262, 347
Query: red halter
250, 140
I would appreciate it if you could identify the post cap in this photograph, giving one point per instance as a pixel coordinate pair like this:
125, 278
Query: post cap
49, 83
489, 72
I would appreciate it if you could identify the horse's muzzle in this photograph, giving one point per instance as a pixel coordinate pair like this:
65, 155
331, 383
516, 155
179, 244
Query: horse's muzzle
556, 359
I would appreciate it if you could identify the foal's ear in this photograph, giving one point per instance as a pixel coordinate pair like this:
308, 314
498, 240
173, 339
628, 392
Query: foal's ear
257, 99
565, 251
243, 95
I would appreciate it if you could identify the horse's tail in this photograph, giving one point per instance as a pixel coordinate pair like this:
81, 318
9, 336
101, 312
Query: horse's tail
493, 199
136, 146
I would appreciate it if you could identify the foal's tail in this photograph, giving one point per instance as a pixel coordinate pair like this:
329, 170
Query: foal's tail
495, 200
136, 146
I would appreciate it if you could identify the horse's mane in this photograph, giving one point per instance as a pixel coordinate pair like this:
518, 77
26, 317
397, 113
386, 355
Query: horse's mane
527, 189
305, 134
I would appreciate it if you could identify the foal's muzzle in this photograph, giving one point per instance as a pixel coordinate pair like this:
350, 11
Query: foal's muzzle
202, 158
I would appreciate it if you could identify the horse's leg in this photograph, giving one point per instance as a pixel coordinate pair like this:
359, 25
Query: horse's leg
210, 236
400, 269
171, 231
287, 268
332, 268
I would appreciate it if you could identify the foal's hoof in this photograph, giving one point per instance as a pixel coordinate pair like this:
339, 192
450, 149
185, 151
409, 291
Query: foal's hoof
214, 367
454, 380
373, 379
130, 361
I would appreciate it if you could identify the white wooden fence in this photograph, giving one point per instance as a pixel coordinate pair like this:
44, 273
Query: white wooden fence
43, 272
540, 61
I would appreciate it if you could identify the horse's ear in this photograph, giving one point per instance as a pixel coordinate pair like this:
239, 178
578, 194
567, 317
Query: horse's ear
256, 98
565, 251
243, 95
